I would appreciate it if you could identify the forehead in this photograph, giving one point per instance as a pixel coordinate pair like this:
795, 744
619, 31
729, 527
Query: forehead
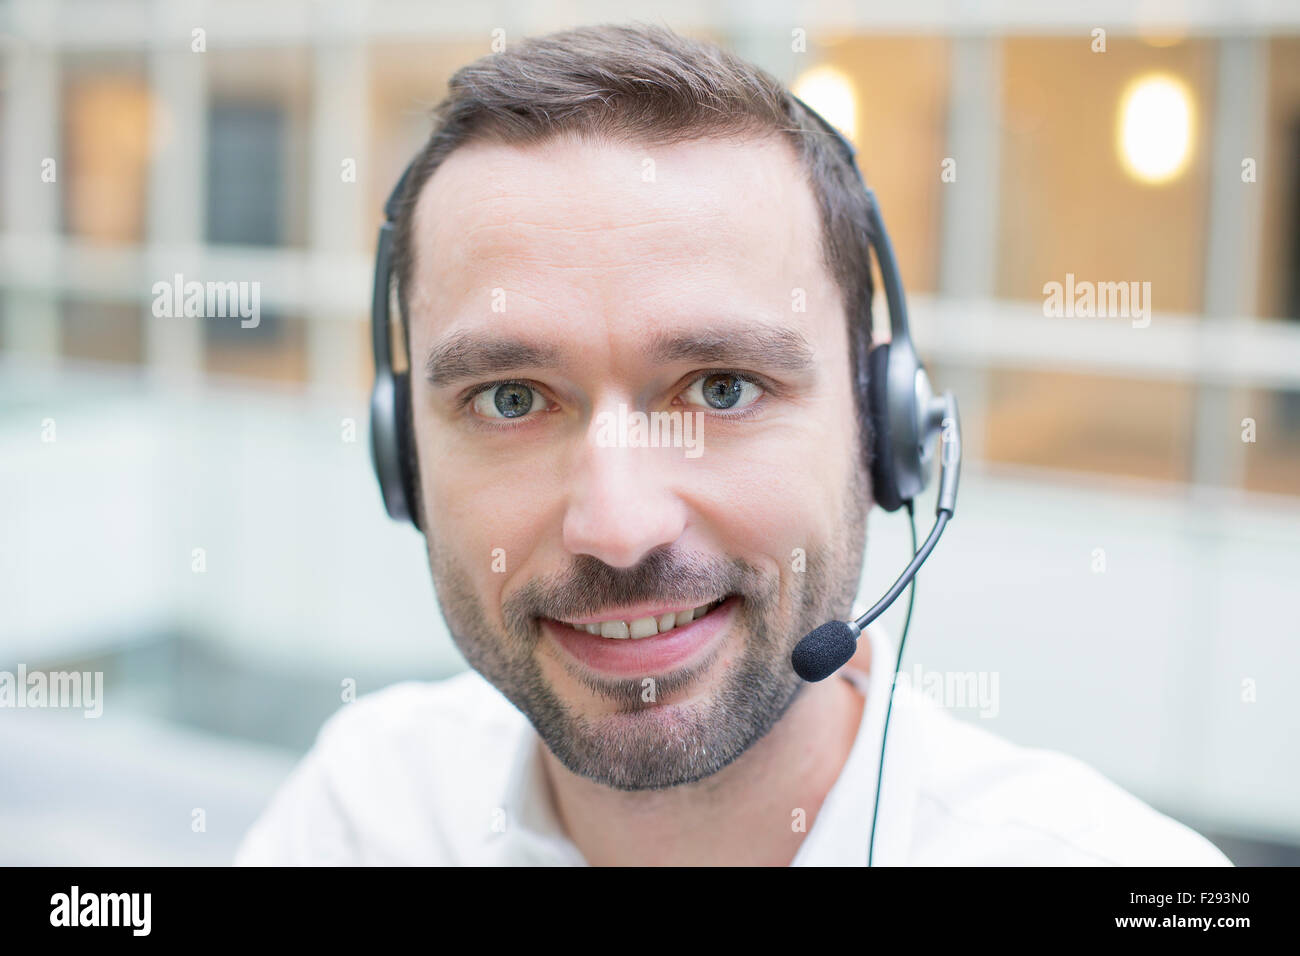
571, 223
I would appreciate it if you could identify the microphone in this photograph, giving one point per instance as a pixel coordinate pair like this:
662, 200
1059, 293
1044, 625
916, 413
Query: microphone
825, 650
829, 647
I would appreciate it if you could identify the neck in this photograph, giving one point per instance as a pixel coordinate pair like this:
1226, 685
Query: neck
744, 815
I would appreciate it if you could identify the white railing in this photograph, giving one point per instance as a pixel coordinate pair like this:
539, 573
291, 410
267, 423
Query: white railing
1246, 351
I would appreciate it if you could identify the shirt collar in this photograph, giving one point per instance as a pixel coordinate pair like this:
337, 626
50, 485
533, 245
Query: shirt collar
841, 834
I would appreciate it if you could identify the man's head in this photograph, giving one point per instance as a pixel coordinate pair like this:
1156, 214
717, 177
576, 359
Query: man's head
614, 221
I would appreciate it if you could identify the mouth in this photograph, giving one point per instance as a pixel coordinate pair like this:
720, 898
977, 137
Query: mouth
647, 643
639, 628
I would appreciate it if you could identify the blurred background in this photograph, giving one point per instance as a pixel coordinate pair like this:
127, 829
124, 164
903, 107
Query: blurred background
187, 505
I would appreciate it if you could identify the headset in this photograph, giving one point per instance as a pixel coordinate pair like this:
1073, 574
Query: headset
905, 415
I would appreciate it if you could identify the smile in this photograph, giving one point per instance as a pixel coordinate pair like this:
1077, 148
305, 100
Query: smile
620, 629
636, 646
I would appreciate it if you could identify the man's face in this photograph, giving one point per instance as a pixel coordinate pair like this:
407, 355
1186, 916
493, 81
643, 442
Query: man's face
685, 279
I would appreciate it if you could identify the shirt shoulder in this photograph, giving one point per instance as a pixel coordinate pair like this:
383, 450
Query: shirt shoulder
410, 774
982, 799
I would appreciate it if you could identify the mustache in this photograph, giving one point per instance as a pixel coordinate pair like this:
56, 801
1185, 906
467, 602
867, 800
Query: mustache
590, 585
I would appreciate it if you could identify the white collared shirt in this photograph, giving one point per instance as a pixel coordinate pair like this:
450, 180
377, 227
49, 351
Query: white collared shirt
450, 773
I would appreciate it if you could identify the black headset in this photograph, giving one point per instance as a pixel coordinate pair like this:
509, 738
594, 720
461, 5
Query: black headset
905, 416
391, 437
903, 411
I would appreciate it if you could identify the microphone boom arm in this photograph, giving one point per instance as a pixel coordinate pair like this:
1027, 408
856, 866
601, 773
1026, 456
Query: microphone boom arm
949, 475
829, 647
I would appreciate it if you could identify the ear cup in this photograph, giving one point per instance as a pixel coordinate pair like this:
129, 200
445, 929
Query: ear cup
391, 448
408, 463
884, 478
385, 453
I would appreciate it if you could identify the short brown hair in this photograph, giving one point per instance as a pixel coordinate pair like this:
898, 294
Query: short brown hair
646, 84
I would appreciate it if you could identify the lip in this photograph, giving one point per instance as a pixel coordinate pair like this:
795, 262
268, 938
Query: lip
646, 656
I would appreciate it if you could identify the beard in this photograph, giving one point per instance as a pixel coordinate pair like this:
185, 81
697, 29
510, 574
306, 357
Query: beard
645, 741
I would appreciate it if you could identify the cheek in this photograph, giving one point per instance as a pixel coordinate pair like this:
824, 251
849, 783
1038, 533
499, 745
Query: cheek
488, 523
483, 516
787, 493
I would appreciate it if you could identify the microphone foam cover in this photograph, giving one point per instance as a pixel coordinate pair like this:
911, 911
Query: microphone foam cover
824, 651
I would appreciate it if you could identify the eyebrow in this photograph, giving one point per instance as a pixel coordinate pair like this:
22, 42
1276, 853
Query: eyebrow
779, 348
468, 355
473, 354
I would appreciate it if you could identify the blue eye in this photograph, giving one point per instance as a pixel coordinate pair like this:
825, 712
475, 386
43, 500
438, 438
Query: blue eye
504, 401
724, 391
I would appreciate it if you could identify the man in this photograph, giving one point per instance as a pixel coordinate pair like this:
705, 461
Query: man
613, 222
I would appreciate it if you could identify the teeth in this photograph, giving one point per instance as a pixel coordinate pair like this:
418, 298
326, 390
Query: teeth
615, 629
645, 626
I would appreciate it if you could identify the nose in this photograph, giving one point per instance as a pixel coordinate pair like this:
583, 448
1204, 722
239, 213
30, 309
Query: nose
620, 504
